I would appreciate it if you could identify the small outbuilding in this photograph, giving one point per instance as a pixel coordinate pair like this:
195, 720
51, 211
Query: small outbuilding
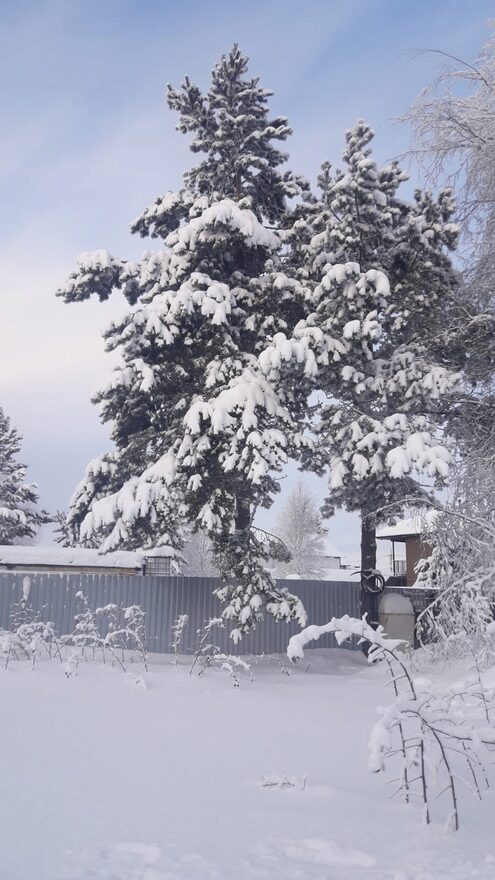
73, 560
412, 532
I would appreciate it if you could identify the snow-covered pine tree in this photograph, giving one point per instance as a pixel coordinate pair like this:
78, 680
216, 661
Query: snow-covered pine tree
19, 514
376, 342
199, 431
62, 532
300, 527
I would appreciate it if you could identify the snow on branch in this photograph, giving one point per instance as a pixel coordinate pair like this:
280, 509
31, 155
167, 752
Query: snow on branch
223, 215
435, 737
344, 628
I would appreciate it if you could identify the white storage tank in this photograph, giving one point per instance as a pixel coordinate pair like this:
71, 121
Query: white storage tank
396, 615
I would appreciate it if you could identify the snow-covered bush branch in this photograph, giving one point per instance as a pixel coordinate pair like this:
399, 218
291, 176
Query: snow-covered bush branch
208, 654
178, 628
434, 736
461, 569
111, 633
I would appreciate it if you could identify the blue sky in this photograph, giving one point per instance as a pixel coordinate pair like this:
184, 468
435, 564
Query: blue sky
87, 142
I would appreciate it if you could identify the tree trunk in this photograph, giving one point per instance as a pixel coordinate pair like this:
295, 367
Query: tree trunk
243, 514
238, 186
369, 601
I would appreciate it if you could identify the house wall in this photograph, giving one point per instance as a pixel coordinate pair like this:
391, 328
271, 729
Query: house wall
416, 549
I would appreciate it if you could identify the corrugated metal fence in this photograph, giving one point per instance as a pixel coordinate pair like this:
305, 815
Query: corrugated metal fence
52, 596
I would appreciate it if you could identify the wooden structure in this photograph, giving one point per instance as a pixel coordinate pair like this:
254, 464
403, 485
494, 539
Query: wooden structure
409, 532
71, 560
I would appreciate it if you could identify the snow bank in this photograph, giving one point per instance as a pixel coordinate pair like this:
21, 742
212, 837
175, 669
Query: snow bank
123, 781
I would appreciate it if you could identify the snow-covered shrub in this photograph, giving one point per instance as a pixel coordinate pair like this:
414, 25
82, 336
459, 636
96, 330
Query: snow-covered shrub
208, 654
461, 569
178, 628
270, 659
229, 663
28, 637
282, 780
124, 634
125, 631
37, 638
86, 636
72, 663
204, 647
30, 641
112, 633
455, 623
441, 740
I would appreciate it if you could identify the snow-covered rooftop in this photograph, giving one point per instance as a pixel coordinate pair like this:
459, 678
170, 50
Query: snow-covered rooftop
413, 525
163, 551
52, 554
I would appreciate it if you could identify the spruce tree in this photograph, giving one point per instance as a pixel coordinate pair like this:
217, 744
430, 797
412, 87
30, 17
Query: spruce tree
19, 514
374, 343
199, 431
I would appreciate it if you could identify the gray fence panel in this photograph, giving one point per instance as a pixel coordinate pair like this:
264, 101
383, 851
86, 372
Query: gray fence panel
52, 597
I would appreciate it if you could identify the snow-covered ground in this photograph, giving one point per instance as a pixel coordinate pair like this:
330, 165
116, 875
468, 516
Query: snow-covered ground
156, 776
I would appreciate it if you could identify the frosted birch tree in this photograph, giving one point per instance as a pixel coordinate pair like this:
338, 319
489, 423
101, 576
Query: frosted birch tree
300, 526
